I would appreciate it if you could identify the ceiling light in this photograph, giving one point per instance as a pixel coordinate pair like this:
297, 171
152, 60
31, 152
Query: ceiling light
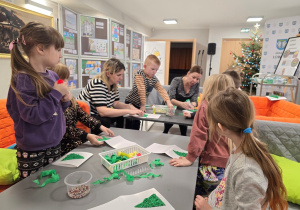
170, 21
37, 7
254, 19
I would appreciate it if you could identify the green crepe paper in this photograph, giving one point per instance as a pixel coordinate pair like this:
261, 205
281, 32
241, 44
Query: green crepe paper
274, 96
54, 177
103, 138
129, 178
145, 115
72, 156
115, 158
152, 201
181, 154
157, 163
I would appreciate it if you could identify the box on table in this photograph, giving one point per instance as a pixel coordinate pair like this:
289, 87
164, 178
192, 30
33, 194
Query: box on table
125, 163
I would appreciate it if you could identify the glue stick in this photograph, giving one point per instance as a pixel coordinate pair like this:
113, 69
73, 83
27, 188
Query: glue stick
153, 107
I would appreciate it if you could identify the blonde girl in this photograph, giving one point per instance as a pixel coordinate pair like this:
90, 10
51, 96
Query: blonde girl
252, 179
35, 100
213, 156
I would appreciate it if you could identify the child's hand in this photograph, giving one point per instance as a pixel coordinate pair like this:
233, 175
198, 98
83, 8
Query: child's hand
170, 105
201, 203
185, 105
187, 114
107, 130
62, 88
94, 139
181, 161
143, 108
137, 111
67, 97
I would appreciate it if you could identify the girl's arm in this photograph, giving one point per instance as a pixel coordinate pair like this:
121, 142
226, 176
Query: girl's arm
109, 112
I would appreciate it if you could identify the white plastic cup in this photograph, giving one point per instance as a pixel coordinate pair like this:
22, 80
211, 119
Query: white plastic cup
78, 184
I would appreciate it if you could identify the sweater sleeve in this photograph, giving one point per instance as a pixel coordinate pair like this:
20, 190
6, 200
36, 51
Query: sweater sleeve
198, 137
162, 91
140, 84
173, 88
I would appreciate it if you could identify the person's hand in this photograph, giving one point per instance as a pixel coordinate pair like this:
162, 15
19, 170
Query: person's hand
140, 113
67, 97
201, 203
143, 108
181, 161
187, 114
185, 105
107, 130
94, 139
62, 88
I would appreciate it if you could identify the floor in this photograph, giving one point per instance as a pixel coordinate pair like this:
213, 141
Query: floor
159, 127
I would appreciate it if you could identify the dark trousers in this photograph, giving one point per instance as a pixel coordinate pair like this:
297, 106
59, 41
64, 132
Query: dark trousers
183, 128
132, 123
107, 121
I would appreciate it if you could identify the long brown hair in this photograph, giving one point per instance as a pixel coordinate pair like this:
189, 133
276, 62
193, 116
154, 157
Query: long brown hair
113, 66
31, 35
234, 110
64, 73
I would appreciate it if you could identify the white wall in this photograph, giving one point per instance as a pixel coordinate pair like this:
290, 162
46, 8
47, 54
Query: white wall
216, 35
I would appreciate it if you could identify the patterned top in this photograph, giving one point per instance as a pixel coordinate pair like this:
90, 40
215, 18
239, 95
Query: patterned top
96, 93
142, 87
75, 136
177, 92
243, 186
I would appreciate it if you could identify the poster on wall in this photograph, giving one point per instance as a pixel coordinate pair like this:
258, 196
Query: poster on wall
135, 68
136, 46
157, 48
94, 39
117, 40
72, 65
90, 69
126, 79
12, 19
128, 44
70, 31
289, 61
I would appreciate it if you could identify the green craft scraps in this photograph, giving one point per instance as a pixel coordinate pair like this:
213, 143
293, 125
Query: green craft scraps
103, 138
181, 154
152, 201
72, 156
129, 178
115, 158
156, 163
145, 115
54, 177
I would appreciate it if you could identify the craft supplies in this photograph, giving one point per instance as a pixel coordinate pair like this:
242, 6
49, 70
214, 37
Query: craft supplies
78, 184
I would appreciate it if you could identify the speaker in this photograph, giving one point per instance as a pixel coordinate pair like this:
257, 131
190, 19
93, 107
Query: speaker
211, 49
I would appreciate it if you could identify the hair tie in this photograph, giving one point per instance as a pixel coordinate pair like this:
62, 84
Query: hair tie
247, 130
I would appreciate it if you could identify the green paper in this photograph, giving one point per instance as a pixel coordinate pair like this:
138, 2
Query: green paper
152, 201
193, 110
156, 163
145, 115
103, 138
72, 156
54, 177
181, 154
274, 96
180, 113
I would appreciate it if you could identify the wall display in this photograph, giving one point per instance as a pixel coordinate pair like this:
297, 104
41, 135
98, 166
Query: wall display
128, 44
94, 38
72, 65
289, 61
70, 31
135, 68
12, 19
90, 69
126, 78
136, 46
117, 40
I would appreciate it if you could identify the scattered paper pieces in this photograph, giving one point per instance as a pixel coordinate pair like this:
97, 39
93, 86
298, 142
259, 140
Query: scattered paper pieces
119, 142
73, 162
276, 99
167, 149
128, 202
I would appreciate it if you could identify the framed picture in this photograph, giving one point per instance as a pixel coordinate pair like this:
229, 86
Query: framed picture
12, 19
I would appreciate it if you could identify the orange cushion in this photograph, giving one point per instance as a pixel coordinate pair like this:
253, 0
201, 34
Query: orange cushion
7, 132
284, 109
85, 107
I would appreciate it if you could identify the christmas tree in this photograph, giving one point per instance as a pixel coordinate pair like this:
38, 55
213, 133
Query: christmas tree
250, 59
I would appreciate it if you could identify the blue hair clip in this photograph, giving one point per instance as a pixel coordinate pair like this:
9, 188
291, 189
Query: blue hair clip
247, 130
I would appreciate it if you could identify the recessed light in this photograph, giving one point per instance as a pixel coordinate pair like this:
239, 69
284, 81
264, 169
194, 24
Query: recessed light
254, 19
170, 21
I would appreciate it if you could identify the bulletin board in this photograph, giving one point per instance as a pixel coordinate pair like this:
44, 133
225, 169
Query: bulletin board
94, 36
72, 65
135, 68
90, 69
136, 46
289, 60
70, 31
128, 44
117, 40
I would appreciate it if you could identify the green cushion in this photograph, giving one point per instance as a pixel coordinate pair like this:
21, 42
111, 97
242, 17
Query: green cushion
290, 176
9, 172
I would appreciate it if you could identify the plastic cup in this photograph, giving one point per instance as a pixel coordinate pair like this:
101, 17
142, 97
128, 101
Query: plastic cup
78, 184
171, 112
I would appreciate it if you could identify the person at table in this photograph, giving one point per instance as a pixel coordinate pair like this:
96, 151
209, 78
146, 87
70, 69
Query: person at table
212, 150
183, 89
103, 95
144, 82
75, 136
